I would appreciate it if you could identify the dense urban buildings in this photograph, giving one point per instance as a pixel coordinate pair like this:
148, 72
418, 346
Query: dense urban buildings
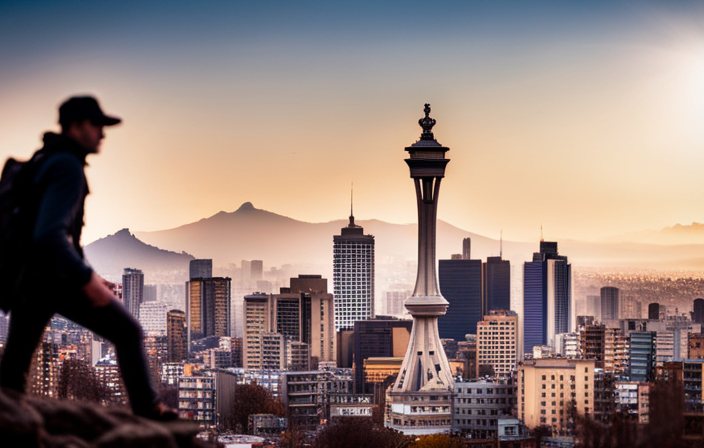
377, 338
421, 398
353, 276
176, 336
132, 290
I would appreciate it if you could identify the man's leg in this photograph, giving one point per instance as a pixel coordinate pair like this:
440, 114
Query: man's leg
27, 321
116, 324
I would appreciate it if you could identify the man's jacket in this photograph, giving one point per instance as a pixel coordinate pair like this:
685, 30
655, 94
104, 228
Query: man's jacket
61, 188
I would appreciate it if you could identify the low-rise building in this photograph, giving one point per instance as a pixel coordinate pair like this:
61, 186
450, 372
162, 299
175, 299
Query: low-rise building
549, 389
477, 406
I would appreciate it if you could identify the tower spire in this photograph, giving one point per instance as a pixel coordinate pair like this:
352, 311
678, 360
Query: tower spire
541, 233
352, 205
501, 244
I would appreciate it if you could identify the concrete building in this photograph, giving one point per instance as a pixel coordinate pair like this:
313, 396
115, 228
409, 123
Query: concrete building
695, 346
196, 399
394, 302
200, 269
353, 276
547, 388
273, 351
610, 303
421, 398
176, 336
594, 307
132, 290
298, 356
304, 398
633, 399
152, 316
378, 338
641, 366
477, 407
208, 304
497, 342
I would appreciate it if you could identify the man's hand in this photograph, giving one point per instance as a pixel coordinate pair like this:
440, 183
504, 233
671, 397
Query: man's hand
99, 294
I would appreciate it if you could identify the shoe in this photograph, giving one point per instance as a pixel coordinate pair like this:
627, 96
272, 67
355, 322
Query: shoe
161, 413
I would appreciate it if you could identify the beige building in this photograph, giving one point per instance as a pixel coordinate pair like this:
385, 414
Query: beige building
616, 349
497, 342
546, 388
301, 313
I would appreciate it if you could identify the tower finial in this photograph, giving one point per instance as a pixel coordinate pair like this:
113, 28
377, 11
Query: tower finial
501, 244
541, 233
427, 124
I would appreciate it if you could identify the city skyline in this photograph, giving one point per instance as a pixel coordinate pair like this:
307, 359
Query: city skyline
599, 104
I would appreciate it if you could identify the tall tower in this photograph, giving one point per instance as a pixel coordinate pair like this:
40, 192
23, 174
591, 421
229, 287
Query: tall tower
421, 397
353, 276
609, 303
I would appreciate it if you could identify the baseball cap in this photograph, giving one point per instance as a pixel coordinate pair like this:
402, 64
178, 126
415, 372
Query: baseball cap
79, 108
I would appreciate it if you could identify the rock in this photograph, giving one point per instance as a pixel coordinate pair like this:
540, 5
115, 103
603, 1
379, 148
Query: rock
30, 422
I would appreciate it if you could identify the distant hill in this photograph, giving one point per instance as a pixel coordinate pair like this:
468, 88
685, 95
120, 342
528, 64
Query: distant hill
676, 235
110, 255
253, 234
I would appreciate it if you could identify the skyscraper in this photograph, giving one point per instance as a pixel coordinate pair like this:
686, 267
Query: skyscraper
609, 303
654, 311
425, 376
547, 297
497, 342
353, 276
132, 290
208, 307
200, 269
497, 284
461, 286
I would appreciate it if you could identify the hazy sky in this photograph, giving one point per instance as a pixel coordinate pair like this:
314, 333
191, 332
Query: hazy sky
587, 117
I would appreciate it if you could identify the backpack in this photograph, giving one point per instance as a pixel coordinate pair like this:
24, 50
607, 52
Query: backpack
18, 208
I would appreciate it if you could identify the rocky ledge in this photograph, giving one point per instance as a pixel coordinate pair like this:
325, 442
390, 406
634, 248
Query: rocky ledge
30, 422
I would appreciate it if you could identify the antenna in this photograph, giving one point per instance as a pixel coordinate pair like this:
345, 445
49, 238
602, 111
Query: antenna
501, 245
352, 199
541, 233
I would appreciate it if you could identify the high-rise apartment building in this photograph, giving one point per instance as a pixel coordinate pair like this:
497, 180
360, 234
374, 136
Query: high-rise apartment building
461, 285
698, 315
257, 321
132, 290
609, 303
256, 271
547, 297
208, 307
353, 276
394, 301
642, 358
200, 269
497, 284
176, 336
497, 342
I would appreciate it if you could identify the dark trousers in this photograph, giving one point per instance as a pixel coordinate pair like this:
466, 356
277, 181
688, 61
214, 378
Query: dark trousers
112, 322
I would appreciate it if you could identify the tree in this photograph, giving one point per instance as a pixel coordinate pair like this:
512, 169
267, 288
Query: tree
251, 399
353, 432
437, 441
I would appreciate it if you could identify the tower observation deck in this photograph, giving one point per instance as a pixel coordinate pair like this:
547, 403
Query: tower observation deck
419, 402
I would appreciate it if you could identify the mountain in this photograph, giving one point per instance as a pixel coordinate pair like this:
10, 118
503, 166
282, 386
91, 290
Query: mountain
676, 235
110, 255
253, 234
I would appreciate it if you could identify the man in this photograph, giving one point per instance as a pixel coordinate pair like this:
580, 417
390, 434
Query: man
58, 279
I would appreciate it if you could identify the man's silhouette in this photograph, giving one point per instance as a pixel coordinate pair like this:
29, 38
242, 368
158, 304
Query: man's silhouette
58, 279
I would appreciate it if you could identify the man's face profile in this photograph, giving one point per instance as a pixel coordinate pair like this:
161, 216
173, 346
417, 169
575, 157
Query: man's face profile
87, 134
